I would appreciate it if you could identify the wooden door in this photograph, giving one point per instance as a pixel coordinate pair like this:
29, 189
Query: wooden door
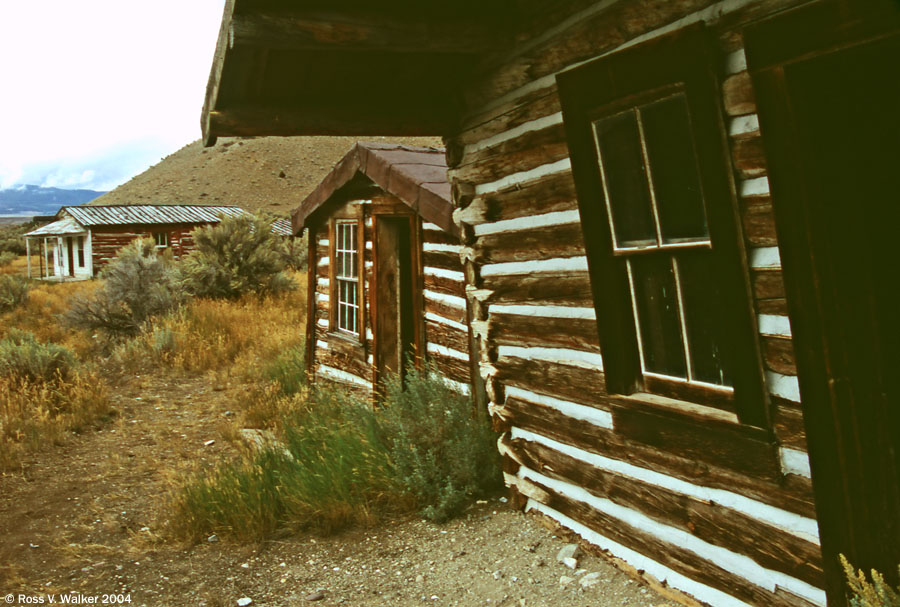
70, 251
829, 110
394, 314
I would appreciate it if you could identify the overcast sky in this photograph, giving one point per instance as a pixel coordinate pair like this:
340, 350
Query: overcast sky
92, 92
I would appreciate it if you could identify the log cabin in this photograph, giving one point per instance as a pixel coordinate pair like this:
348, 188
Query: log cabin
82, 239
386, 286
676, 219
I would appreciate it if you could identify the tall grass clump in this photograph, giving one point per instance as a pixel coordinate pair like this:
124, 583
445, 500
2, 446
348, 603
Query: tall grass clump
13, 291
44, 393
238, 255
330, 461
7, 257
876, 593
287, 370
323, 472
443, 452
138, 284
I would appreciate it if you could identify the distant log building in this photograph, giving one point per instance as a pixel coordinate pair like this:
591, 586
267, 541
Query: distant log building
678, 222
82, 239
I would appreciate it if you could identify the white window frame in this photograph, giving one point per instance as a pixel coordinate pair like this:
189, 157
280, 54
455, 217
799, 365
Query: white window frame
346, 285
161, 236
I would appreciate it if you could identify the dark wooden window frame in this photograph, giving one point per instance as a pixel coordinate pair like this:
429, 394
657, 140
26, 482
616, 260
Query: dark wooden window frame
80, 245
355, 217
681, 62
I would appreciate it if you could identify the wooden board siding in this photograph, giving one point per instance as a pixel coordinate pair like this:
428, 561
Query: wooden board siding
570, 449
445, 331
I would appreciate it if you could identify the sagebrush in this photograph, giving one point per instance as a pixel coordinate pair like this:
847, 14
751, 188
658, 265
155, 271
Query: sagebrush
138, 284
7, 257
442, 451
13, 291
876, 593
22, 356
238, 255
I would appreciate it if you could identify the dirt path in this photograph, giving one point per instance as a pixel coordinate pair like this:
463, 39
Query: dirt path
83, 518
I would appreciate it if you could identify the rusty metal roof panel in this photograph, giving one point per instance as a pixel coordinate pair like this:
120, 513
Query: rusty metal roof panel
66, 225
150, 214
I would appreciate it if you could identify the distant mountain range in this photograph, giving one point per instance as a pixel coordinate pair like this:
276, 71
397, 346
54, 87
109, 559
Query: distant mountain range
35, 200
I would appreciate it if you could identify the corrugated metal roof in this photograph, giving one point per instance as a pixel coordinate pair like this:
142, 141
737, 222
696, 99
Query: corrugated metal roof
282, 227
150, 214
66, 225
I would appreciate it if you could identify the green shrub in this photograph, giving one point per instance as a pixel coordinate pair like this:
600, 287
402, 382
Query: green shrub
7, 257
139, 284
238, 255
442, 452
869, 594
22, 356
294, 251
13, 291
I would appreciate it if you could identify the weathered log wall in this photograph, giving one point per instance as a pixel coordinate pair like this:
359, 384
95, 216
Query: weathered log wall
683, 492
350, 361
106, 241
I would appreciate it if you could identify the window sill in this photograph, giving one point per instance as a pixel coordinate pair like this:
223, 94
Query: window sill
655, 402
349, 338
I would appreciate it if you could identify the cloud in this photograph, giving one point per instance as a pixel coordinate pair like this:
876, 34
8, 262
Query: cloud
101, 170
86, 81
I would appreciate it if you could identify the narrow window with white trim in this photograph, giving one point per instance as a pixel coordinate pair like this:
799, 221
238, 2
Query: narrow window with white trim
346, 275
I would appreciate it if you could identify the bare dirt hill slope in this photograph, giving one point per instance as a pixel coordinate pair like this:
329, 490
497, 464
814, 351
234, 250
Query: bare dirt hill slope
268, 173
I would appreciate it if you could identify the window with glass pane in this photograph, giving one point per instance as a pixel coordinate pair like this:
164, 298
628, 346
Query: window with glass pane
657, 216
347, 277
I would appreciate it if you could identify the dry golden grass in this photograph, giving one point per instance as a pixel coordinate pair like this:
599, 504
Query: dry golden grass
230, 338
40, 314
20, 266
37, 414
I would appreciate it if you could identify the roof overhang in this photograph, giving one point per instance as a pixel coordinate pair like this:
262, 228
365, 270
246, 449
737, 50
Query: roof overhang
62, 227
347, 67
416, 176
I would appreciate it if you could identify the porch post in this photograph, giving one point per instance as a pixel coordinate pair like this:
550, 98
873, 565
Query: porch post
28, 256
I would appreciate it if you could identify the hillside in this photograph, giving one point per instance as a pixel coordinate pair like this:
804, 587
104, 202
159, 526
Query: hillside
270, 173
